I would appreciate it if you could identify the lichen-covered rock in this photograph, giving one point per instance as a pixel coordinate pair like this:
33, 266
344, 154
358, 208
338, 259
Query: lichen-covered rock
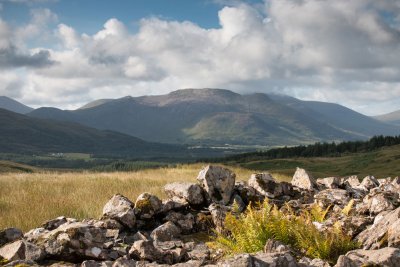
218, 213
192, 193
384, 232
304, 180
184, 221
218, 183
329, 197
352, 181
388, 257
353, 225
267, 186
369, 182
21, 250
147, 205
379, 201
165, 232
9, 234
329, 182
120, 209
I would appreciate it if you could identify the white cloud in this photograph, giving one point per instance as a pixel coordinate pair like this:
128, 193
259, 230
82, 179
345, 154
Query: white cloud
339, 51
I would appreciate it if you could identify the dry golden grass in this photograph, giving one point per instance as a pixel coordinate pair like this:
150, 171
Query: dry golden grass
27, 200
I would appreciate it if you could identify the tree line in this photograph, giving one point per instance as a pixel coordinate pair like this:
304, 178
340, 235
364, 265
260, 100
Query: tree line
317, 150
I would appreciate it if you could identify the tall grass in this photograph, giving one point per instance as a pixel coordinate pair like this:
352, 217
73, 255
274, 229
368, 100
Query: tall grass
27, 200
249, 232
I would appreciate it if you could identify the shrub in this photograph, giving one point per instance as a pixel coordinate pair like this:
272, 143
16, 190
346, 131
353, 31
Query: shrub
248, 232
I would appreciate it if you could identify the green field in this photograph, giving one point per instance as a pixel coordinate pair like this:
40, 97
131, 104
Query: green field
380, 163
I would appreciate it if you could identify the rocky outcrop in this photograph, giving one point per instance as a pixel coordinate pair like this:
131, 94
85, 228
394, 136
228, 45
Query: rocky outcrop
152, 232
218, 183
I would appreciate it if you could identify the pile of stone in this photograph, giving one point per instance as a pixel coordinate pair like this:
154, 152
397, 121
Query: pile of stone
152, 232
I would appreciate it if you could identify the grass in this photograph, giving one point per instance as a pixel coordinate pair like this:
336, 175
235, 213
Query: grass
381, 163
250, 231
29, 199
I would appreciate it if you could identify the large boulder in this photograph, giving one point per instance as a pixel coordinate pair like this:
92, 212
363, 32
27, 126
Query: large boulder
329, 197
147, 205
369, 182
9, 234
120, 209
192, 193
379, 201
329, 182
267, 186
21, 250
388, 257
384, 232
218, 182
304, 180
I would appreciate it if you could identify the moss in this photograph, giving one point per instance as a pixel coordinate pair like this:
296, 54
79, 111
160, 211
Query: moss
144, 206
3, 261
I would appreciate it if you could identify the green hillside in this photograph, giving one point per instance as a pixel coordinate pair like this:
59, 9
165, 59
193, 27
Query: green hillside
380, 163
8, 166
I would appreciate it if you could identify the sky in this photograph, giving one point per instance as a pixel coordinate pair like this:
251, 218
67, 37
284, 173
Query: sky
65, 53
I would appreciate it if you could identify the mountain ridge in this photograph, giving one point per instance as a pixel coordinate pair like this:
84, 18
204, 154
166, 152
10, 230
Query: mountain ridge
13, 105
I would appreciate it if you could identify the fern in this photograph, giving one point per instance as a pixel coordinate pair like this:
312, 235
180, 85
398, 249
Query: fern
248, 232
347, 209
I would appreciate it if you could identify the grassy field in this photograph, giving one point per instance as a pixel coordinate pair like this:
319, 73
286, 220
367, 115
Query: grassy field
29, 199
381, 163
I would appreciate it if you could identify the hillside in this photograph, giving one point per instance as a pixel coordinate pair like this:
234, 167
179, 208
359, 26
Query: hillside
392, 117
380, 163
216, 116
8, 166
14, 106
22, 134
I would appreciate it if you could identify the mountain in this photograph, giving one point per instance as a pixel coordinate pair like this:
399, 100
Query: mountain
23, 134
392, 117
95, 103
14, 106
217, 116
339, 117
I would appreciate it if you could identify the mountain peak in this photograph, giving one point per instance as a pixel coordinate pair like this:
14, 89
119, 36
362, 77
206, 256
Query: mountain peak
13, 105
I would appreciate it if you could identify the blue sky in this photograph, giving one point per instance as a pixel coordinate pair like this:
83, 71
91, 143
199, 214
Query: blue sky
65, 53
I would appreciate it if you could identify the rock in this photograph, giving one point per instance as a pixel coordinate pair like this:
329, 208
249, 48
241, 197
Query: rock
238, 204
174, 204
248, 193
74, 242
184, 222
21, 250
274, 259
165, 232
22, 263
304, 180
329, 197
203, 222
55, 223
329, 182
192, 193
307, 262
199, 252
120, 209
353, 225
240, 260
9, 234
369, 182
377, 202
145, 250
273, 246
384, 232
264, 184
388, 257
147, 205
218, 182
352, 181
218, 213
124, 262
92, 263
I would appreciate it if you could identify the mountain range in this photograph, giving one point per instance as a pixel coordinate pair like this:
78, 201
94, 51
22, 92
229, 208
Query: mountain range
219, 117
392, 117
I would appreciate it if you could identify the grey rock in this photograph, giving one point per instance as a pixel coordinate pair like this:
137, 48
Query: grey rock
273, 246
352, 181
124, 262
145, 250
120, 209
329, 182
147, 205
329, 197
238, 204
248, 193
9, 234
192, 193
304, 180
384, 232
369, 182
21, 263
386, 257
274, 259
184, 222
376, 202
174, 204
57, 222
92, 263
218, 182
218, 213
241, 260
265, 184
166, 232
307, 262
21, 250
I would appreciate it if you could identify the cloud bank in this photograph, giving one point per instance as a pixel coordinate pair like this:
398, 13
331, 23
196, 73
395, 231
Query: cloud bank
338, 51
